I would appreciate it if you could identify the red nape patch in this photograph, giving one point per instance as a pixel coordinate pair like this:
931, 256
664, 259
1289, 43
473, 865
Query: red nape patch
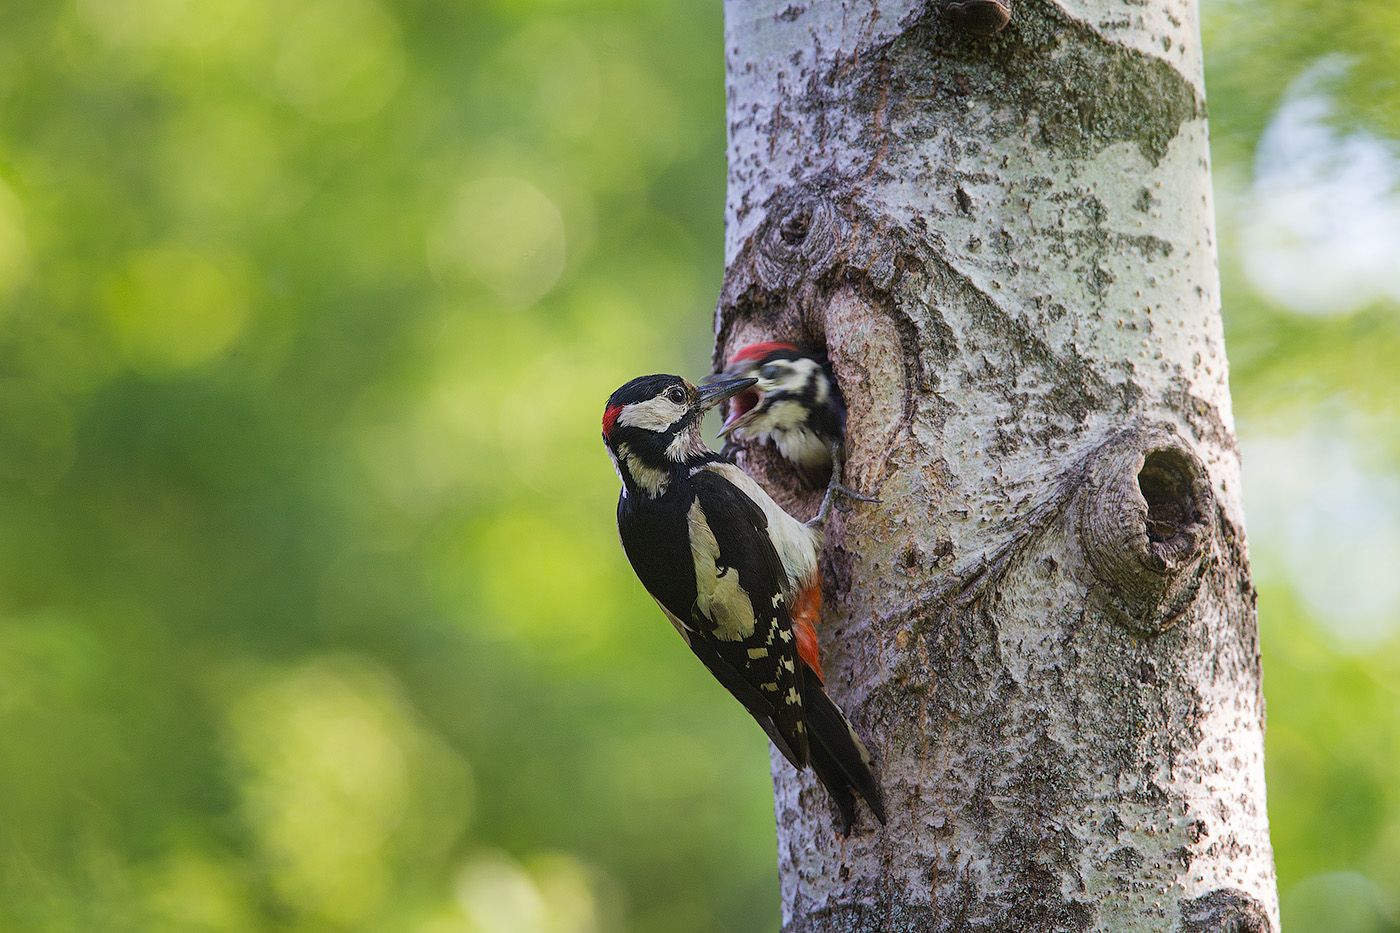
610, 419
756, 351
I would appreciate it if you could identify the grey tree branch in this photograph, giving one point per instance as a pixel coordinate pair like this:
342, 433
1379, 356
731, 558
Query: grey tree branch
1047, 629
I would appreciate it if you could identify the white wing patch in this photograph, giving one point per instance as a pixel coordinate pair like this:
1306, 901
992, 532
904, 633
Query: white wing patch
717, 591
795, 543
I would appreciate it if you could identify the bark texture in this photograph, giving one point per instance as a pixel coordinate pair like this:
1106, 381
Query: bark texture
1047, 630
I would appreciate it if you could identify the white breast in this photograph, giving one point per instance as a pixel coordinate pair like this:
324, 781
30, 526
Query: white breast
803, 447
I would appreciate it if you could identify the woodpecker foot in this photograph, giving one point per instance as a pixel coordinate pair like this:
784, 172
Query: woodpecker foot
838, 490
846, 492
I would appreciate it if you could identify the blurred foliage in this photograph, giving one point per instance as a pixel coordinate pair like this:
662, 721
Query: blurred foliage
311, 610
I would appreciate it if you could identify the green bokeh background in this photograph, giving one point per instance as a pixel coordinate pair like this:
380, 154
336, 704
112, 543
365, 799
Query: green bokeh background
311, 611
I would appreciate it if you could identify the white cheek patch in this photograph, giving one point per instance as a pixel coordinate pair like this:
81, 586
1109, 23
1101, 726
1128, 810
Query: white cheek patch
652, 480
655, 414
793, 375
803, 369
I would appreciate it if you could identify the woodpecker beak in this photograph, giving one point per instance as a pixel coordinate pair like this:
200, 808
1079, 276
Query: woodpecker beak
745, 397
716, 389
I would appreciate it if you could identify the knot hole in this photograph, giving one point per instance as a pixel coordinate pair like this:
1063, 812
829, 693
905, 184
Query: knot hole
1145, 516
1166, 482
795, 227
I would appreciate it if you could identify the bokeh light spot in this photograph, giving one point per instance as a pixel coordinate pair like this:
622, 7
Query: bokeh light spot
173, 308
339, 775
554, 894
565, 611
202, 27
14, 243
1323, 228
340, 60
1329, 525
550, 59
504, 233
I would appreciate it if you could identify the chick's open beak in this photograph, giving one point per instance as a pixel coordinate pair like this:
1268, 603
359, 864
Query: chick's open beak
743, 402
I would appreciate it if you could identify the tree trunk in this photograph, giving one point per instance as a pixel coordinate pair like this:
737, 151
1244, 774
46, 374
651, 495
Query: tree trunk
1046, 631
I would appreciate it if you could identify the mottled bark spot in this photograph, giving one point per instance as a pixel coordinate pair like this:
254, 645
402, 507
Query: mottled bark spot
1225, 910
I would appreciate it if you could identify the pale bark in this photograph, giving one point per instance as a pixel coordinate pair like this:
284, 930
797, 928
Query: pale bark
1047, 628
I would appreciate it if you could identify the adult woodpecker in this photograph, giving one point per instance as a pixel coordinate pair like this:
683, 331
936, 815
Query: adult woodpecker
795, 404
725, 563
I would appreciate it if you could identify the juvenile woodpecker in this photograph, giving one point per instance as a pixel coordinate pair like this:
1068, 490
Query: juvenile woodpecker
726, 565
796, 404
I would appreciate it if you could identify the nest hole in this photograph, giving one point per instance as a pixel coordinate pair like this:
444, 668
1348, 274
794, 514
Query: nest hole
1166, 481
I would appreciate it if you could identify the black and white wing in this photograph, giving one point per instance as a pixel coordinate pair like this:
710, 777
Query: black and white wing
709, 564
741, 603
708, 559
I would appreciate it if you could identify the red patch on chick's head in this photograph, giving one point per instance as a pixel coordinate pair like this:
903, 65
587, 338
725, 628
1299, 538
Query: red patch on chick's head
756, 351
610, 419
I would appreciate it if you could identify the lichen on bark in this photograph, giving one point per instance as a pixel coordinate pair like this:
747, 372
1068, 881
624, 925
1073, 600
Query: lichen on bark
1047, 627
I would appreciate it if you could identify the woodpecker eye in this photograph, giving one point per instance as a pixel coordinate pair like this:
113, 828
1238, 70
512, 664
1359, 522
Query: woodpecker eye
772, 372
676, 394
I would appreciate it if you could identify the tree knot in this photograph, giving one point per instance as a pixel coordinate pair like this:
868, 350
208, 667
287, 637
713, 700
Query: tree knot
801, 237
1144, 519
1224, 910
